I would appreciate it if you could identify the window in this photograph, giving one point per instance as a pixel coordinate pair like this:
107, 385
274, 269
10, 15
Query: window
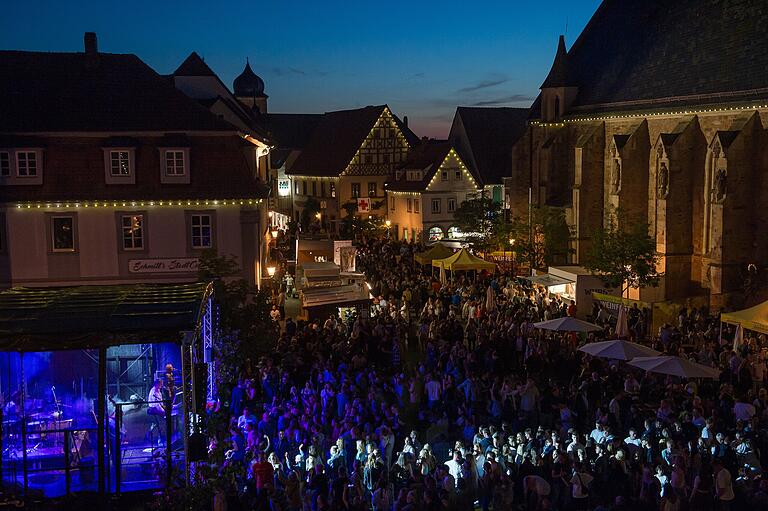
304, 187
332, 186
368, 158
451, 205
174, 163
322, 189
26, 163
63, 233
314, 188
405, 233
444, 175
415, 205
435, 233
5, 164
409, 204
296, 187
372, 189
201, 231
458, 175
119, 163
133, 232
392, 203
355, 190
435, 205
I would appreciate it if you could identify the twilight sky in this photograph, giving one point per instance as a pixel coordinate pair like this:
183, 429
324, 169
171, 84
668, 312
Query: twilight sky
423, 58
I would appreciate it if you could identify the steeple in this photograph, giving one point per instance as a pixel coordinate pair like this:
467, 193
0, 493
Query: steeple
558, 75
249, 89
559, 89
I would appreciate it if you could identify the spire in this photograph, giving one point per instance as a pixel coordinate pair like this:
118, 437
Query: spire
558, 76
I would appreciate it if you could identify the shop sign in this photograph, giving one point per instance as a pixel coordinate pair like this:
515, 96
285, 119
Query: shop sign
166, 265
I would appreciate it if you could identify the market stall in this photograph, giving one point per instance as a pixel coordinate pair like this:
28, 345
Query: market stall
463, 260
436, 251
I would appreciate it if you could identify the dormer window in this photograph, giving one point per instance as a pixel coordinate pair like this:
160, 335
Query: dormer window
175, 165
26, 163
119, 165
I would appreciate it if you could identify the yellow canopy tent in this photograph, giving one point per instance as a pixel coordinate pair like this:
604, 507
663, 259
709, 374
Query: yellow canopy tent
463, 260
436, 251
755, 318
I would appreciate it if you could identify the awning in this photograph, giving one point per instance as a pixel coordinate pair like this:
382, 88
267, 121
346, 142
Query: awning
340, 295
755, 318
548, 280
80, 317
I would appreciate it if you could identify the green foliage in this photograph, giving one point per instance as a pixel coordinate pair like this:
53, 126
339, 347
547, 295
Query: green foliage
311, 208
624, 255
352, 225
545, 241
482, 222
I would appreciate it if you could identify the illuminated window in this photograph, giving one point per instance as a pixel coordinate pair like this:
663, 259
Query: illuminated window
372, 189
405, 233
26, 163
409, 204
451, 205
435, 233
5, 163
455, 233
332, 186
415, 205
119, 163
133, 232
174, 163
201, 231
63, 233
435, 205
355, 190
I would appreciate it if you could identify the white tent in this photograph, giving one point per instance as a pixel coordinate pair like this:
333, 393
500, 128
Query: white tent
675, 366
618, 350
567, 324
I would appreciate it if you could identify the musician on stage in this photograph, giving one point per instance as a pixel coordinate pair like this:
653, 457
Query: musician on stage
156, 399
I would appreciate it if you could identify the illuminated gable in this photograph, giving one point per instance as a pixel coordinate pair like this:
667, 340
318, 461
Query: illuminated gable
457, 174
383, 149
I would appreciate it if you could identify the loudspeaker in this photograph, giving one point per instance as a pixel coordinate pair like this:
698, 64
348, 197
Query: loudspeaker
201, 385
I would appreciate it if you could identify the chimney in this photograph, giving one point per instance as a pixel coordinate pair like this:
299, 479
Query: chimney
405, 121
89, 40
91, 50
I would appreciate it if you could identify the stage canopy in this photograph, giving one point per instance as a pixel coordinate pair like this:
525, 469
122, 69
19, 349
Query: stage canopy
437, 251
463, 260
755, 318
37, 319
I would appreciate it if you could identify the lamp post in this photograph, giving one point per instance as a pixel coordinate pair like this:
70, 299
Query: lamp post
388, 223
512, 249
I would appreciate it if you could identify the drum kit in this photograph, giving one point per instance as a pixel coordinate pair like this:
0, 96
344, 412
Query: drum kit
45, 424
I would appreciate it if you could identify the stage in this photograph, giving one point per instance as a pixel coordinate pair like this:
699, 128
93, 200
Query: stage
96, 382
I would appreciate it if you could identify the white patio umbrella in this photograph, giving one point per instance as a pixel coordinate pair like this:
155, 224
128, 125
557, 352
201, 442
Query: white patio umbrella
622, 328
674, 366
567, 324
738, 338
618, 349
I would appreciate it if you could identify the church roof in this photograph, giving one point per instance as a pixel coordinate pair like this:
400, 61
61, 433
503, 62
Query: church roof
42, 92
248, 84
194, 65
558, 75
655, 52
485, 144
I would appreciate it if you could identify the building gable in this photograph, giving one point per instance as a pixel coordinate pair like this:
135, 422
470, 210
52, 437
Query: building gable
383, 149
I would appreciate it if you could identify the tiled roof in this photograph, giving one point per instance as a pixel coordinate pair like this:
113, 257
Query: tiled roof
194, 65
336, 138
426, 157
633, 54
290, 131
490, 135
58, 92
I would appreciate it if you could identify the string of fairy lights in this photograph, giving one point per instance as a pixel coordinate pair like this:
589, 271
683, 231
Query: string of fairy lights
137, 203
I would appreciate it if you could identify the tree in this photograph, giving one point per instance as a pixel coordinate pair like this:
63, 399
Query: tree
353, 225
482, 222
624, 255
544, 241
311, 208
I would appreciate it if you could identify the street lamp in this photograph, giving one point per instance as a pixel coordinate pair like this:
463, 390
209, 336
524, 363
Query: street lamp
388, 223
512, 259
271, 271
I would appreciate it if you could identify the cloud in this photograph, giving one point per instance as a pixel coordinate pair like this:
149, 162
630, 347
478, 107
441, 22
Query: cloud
415, 76
514, 98
485, 84
285, 71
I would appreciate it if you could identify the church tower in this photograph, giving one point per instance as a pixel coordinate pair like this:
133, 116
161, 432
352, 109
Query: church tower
558, 90
249, 89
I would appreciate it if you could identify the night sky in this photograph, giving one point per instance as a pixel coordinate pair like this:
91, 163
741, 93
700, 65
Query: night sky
422, 58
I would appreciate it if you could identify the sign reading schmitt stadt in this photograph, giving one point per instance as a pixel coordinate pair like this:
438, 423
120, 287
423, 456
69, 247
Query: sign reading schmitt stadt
169, 265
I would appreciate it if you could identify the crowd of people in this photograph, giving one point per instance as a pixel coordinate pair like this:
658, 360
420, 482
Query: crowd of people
445, 400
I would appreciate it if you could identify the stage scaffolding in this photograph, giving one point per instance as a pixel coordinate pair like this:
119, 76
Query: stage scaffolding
70, 424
